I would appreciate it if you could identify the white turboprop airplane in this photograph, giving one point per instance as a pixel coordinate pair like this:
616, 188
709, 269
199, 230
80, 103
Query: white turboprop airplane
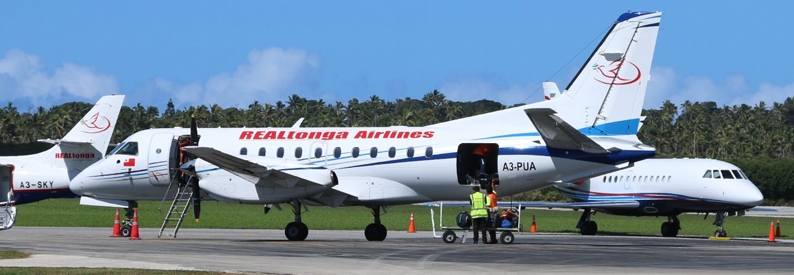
45, 175
589, 131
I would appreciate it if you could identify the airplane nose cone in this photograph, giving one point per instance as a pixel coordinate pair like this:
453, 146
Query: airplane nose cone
752, 195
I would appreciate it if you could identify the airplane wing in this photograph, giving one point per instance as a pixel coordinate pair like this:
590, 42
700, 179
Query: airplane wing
264, 171
550, 205
559, 134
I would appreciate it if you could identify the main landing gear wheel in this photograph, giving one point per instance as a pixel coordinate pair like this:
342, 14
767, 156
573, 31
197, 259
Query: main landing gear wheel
375, 232
506, 237
449, 236
721, 233
296, 231
126, 231
589, 228
669, 229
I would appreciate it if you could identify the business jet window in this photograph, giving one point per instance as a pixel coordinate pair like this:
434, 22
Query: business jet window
707, 175
410, 152
117, 148
337, 152
243, 151
429, 152
373, 152
736, 174
129, 148
392, 152
726, 174
318, 152
298, 152
604, 179
743, 174
280, 152
262, 151
657, 178
716, 174
355, 152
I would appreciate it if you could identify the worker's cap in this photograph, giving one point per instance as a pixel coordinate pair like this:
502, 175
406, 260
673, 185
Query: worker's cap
476, 188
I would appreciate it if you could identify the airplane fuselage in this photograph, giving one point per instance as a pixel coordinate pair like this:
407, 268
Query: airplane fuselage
385, 165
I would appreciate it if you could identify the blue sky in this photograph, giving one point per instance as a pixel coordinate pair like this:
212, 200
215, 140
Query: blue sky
234, 52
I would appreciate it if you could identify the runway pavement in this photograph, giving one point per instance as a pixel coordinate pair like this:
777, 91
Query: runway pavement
347, 252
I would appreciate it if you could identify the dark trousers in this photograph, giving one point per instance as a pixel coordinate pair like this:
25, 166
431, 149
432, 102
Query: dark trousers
493, 224
478, 225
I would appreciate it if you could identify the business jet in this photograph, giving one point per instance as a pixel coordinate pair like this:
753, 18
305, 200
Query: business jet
664, 187
589, 131
45, 175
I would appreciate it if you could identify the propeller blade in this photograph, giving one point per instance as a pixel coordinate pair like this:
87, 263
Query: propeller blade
193, 130
196, 197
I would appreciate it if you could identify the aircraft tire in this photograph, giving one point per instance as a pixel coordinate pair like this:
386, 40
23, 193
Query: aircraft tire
669, 229
126, 231
589, 228
296, 231
721, 233
375, 232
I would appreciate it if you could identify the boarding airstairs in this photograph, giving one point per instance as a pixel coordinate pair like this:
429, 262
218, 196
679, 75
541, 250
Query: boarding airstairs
179, 206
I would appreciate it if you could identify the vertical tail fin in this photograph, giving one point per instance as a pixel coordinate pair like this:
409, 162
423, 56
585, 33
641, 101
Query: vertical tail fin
96, 127
610, 87
88, 140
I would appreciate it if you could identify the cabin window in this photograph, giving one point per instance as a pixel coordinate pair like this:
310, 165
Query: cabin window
669, 178
355, 152
657, 178
736, 174
392, 152
318, 152
243, 151
337, 152
429, 152
716, 174
373, 152
262, 151
726, 174
280, 152
129, 148
298, 152
621, 179
410, 152
645, 179
707, 175
604, 179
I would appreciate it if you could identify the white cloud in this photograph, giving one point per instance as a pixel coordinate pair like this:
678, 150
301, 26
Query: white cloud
477, 87
271, 74
23, 76
666, 84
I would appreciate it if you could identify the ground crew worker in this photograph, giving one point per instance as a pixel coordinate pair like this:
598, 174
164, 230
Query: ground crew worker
492, 215
478, 163
479, 212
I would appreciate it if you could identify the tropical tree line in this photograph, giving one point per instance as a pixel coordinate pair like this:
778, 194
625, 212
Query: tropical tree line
756, 138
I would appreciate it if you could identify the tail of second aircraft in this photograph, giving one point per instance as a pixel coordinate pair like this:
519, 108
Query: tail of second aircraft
87, 141
606, 95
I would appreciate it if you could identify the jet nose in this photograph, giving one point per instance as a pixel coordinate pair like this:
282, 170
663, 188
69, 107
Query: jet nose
82, 184
752, 196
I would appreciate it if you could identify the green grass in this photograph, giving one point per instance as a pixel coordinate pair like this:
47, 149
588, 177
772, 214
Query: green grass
12, 254
68, 212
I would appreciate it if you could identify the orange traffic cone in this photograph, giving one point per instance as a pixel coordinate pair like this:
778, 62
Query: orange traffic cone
134, 235
116, 226
772, 232
777, 229
411, 226
534, 227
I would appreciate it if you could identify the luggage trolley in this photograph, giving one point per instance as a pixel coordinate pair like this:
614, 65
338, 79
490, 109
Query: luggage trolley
506, 236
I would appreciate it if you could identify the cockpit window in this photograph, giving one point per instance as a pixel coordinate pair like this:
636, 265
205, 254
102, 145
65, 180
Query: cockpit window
707, 175
726, 174
736, 174
129, 148
117, 148
717, 174
744, 175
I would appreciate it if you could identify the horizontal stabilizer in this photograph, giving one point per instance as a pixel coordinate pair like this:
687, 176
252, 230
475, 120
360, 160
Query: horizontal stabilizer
560, 135
63, 142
